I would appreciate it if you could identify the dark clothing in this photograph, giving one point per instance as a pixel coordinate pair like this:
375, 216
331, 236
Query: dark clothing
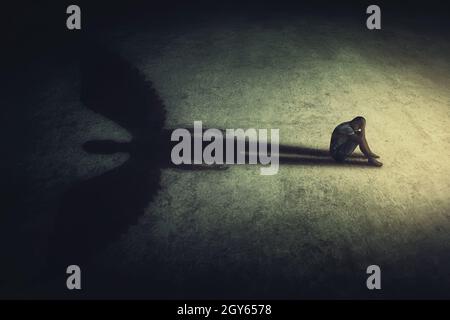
341, 145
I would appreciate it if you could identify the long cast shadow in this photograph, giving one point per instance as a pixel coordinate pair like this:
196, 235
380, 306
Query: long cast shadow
323, 161
307, 151
300, 155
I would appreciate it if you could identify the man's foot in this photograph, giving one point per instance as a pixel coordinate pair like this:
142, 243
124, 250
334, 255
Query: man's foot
375, 163
373, 155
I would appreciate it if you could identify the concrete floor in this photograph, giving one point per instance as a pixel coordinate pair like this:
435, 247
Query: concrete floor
308, 231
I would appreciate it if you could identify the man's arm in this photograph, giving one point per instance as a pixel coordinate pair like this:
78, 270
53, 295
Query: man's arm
360, 138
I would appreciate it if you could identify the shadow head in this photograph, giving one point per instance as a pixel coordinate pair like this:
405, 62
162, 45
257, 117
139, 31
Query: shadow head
106, 146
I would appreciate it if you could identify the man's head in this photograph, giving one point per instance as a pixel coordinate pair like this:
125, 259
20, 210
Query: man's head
358, 123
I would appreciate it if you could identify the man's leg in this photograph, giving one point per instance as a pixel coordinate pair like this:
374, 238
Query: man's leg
364, 145
344, 151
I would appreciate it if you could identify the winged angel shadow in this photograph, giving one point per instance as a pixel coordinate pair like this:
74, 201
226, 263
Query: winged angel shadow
96, 211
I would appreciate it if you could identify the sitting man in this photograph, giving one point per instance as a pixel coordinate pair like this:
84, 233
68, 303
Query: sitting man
347, 136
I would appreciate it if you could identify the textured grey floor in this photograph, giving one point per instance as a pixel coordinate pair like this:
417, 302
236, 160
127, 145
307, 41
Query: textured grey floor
311, 230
